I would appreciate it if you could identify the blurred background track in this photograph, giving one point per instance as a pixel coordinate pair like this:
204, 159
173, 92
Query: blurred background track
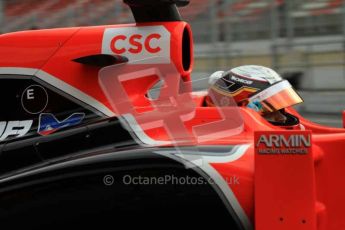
302, 40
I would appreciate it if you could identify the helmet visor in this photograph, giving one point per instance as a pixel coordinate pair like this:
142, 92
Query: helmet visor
277, 97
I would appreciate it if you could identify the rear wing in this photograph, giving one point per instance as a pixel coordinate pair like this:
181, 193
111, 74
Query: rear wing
156, 10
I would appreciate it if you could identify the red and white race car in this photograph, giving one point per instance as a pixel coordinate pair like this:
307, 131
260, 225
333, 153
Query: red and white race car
84, 143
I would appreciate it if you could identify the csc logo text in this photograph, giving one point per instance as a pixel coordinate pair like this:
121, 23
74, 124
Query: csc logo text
138, 43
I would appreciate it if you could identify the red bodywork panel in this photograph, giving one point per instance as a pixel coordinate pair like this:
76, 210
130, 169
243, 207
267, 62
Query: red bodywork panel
32, 49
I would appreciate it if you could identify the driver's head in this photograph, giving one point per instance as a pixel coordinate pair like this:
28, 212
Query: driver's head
256, 87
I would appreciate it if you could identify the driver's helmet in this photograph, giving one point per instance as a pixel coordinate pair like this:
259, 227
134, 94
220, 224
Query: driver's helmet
258, 88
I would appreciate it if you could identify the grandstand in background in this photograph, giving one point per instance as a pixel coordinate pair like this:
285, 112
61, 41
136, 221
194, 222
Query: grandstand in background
302, 40
247, 19
227, 19
291, 36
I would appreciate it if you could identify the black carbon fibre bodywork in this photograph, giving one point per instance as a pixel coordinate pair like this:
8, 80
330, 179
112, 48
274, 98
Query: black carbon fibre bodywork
71, 192
37, 150
60, 178
156, 10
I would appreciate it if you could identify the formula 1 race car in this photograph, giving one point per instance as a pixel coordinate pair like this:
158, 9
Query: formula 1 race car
100, 127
